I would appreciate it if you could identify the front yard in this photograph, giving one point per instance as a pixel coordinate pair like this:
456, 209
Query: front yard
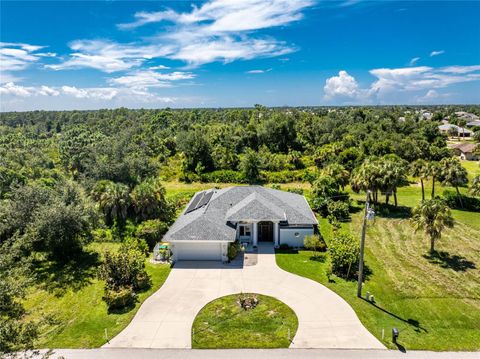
70, 304
434, 302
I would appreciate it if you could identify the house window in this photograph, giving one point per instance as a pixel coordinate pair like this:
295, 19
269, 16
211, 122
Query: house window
296, 234
244, 231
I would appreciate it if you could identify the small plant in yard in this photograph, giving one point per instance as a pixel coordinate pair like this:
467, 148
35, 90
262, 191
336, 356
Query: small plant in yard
247, 301
344, 253
314, 243
233, 249
124, 274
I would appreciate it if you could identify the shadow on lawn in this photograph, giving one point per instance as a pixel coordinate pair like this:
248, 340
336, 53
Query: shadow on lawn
57, 277
413, 322
445, 260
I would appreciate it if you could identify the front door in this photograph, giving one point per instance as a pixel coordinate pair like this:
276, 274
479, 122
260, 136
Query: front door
265, 231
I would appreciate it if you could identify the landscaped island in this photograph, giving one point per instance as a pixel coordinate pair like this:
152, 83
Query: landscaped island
244, 320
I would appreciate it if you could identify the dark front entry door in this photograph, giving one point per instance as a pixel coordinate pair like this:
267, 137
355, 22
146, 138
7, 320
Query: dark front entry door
265, 231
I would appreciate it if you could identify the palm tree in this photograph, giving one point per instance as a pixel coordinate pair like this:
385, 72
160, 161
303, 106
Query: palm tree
475, 187
338, 173
419, 169
433, 171
114, 202
433, 216
392, 175
148, 199
454, 174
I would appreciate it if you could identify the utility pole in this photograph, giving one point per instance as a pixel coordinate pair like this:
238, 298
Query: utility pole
366, 215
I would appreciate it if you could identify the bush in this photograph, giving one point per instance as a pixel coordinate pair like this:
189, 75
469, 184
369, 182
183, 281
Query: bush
120, 298
102, 235
223, 176
151, 231
314, 243
338, 210
284, 246
285, 176
233, 249
344, 253
133, 243
125, 268
469, 203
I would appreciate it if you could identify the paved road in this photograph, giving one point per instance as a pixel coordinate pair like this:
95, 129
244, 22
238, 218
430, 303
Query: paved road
165, 319
254, 354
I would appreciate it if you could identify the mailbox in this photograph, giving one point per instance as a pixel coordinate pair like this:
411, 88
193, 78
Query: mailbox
394, 335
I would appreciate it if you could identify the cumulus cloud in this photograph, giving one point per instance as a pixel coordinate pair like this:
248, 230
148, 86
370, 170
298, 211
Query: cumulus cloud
343, 85
400, 80
436, 53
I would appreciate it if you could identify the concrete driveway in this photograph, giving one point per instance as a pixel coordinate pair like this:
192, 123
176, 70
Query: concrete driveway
165, 319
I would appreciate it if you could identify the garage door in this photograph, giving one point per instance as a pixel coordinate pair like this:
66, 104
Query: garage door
198, 251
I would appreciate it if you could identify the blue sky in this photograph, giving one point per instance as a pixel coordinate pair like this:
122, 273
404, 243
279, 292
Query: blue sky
226, 53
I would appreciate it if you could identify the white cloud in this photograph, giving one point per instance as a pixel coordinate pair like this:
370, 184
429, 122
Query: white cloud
15, 57
342, 85
218, 30
436, 53
144, 79
414, 61
392, 82
159, 67
108, 56
13, 89
259, 71
229, 15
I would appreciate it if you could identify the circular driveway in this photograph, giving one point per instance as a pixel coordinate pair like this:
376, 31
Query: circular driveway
165, 319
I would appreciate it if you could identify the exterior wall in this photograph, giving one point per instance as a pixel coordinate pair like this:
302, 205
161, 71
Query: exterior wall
199, 250
293, 236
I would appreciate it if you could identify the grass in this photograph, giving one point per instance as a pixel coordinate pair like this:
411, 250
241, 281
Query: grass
434, 301
222, 323
71, 308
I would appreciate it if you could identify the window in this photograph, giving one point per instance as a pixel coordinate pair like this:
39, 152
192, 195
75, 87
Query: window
244, 230
296, 234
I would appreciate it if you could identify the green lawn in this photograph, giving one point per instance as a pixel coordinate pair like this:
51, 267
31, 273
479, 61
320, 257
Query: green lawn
71, 306
222, 323
434, 302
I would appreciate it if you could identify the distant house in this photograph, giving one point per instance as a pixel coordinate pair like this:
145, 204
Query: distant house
466, 151
475, 123
249, 214
467, 116
461, 131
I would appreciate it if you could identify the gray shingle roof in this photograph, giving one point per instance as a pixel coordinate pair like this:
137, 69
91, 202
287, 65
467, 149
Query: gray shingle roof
246, 203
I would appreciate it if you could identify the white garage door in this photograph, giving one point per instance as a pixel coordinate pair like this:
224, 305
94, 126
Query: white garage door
198, 251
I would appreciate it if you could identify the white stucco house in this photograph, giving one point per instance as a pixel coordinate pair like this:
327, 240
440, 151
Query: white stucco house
250, 214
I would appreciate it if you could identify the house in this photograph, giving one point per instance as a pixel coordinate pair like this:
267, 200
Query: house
466, 151
250, 214
475, 123
460, 131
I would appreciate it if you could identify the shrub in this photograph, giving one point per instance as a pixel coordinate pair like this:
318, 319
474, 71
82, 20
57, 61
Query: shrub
344, 252
284, 246
133, 243
125, 268
469, 203
102, 235
314, 243
285, 176
118, 299
233, 249
338, 210
151, 231
223, 176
